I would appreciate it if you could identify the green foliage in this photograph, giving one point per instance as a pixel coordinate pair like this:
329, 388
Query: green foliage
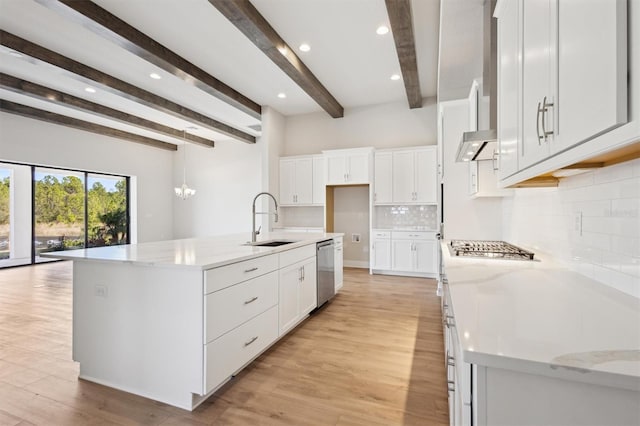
63, 202
4, 201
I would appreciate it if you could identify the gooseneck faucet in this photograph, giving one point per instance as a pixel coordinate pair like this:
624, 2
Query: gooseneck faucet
255, 233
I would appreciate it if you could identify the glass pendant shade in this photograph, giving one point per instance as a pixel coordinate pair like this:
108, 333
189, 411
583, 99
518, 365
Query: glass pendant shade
184, 191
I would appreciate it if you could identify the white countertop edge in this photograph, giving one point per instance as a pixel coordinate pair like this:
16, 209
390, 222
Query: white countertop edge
97, 255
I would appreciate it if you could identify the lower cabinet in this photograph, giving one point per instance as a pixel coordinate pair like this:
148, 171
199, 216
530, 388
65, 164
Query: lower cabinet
298, 293
338, 263
404, 252
230, 352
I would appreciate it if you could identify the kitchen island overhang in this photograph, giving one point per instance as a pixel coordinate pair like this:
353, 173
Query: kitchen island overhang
144, 315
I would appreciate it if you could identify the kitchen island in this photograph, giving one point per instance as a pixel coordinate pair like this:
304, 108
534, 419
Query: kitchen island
532, 342
175, 320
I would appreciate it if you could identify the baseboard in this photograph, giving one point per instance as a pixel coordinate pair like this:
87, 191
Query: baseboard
356, 264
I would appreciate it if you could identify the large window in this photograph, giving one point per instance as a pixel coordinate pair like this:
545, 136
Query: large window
50, 209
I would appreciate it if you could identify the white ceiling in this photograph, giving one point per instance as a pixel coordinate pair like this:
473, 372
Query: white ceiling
347, 56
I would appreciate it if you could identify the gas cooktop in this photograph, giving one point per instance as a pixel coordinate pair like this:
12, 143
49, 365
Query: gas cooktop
488, 249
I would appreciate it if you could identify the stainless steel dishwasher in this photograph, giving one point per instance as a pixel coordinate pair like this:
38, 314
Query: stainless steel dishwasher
326, 271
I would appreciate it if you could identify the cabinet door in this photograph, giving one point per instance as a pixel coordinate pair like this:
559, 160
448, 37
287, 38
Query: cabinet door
402, 255
308, 287
509, 65
288, 307
381, 254
336, 170
425, 256
538, 36
426, 188
382, 178
358, 169
304, 181
338, 264
592, 69
287, 182
318, 180
403, 177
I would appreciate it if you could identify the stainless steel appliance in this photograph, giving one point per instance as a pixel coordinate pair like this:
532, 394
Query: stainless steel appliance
326, 271
488, 249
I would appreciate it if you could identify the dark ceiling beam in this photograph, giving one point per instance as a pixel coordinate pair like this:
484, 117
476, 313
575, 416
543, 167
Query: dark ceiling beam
112, 28
56, 97
247, 19
401, 21
110, 84
63, 120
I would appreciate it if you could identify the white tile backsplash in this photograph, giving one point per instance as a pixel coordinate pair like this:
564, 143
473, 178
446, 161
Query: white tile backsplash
607, 200
401, 217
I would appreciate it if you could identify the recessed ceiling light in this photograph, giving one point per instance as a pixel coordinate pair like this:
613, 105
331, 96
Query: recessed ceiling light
465, 159
395, 77
282, 95
475, 144
470, 153
155, 76
90, 89
382, 30
304, 47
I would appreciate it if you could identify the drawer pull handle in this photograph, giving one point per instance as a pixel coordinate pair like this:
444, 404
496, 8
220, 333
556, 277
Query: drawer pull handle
253, 339
251, 270
253, 299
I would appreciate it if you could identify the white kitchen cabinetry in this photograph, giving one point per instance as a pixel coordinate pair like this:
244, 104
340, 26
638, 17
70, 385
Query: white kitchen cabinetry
296, 181
338, 262
349, 166
574, 84
383, 172
415, 176
318, 191
381, 250
413, 252
298, 288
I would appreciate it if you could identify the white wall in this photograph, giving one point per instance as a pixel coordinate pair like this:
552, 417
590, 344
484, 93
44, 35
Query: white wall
380, 126
464, 217
25, 140
608, 249
226, 178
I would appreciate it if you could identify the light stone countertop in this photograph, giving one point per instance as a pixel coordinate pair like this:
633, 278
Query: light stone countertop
540, 317
201, 253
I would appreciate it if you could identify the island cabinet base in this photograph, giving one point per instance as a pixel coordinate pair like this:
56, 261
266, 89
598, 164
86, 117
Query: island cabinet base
140, 329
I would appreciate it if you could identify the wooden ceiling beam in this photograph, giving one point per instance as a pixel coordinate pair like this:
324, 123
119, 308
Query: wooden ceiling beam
114, 29
110, 84
63, 120
56, 97
252, 24
401, 21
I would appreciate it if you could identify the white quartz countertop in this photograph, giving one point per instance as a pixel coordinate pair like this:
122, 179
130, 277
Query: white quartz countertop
201, 253
539, 316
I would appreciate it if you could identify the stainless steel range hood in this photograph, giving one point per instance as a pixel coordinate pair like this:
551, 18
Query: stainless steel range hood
478, 145
483, 144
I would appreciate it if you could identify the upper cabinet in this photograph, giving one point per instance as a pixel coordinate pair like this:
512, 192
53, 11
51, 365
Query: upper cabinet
383, 178
318, 190
562, 81
414, 176
348, 166
296, 181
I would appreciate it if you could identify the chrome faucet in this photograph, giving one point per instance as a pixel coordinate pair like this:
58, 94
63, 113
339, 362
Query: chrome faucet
255, 233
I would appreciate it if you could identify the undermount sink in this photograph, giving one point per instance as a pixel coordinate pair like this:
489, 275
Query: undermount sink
270, 243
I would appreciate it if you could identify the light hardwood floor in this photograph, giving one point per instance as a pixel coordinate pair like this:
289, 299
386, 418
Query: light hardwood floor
373, 356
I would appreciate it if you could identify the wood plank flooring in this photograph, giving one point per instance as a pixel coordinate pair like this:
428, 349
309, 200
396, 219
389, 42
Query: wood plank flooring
372, 356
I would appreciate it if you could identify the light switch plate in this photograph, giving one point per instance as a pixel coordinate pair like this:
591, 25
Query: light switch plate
355, 238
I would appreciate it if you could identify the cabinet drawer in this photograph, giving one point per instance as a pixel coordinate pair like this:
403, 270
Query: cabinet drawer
290, 257
228, 353
218, 278
232, 306
380, 234
413, 235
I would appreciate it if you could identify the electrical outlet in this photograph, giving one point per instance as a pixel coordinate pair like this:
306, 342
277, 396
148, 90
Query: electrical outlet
577, 223
355, 238
101, 290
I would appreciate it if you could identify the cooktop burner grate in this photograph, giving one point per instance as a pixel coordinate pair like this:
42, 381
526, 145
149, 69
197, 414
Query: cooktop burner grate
488, 249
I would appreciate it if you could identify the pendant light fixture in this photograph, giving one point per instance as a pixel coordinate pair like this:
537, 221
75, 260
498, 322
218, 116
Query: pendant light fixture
184, 191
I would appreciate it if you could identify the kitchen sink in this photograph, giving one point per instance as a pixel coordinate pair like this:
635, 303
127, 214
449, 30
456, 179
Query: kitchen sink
271, 243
